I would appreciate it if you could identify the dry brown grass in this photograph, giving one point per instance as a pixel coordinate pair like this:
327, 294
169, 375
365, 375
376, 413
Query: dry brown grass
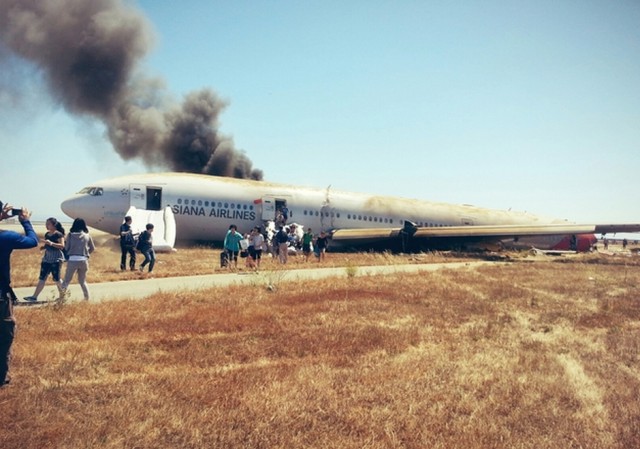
524, 355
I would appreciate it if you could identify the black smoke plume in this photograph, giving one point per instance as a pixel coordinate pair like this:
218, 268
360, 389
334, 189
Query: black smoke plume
89, 51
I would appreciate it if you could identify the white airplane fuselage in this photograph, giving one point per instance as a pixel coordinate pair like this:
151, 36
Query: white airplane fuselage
205, 206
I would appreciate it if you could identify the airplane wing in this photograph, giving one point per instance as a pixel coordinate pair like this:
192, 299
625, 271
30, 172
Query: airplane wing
479, 233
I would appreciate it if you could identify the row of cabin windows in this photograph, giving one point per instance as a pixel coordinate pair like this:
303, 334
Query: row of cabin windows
367, 218
311, 213
432, 225
187, 202
316, 213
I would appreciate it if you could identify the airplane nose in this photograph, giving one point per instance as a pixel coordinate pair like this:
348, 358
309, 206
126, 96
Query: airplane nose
71, 206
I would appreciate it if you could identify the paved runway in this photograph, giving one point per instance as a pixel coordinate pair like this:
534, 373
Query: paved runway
142, 288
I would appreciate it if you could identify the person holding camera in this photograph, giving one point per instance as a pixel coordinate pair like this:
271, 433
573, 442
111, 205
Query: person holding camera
10, 240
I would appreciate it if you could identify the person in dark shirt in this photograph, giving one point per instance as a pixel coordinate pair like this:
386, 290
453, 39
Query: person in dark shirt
52, 257
127, 245
321, 245
145, 245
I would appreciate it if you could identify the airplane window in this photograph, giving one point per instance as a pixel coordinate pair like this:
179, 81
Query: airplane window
338, 215
359, 217
95, 191
206, 203
193, 202
199, 202
226, 205
179, 200
233, 206
244, 206
219, 204
317, 213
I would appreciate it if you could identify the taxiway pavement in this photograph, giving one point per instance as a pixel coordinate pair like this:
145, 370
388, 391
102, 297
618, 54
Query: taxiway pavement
142, 288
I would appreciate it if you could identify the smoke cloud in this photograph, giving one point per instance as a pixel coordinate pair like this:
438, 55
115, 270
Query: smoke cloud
89, 54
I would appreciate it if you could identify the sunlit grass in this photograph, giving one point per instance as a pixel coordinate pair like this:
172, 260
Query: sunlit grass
523, 355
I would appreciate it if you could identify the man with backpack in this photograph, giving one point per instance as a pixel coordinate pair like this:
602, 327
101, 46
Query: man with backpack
127, 245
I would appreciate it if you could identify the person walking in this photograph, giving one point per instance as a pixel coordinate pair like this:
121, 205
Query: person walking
127, 245
256, 240
232, 245
52, 245
10, 240
322, 242
307, 239
79, 246
145, 246
282, 239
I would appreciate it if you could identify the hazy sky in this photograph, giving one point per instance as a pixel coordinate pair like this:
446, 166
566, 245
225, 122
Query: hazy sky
506, 104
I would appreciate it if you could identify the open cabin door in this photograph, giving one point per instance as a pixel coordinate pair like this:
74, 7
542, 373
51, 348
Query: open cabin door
145, 197
145, 206
271, 206
268, 208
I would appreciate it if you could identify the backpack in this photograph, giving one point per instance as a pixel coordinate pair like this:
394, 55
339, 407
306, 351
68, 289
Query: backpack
129, 240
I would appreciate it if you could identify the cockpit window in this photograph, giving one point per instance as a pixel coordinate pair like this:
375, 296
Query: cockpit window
93, 191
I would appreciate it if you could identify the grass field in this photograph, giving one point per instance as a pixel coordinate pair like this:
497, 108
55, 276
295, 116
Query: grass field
531, 354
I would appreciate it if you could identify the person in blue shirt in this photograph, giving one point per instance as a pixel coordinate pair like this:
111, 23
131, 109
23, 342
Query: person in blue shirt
10, 240
232, 244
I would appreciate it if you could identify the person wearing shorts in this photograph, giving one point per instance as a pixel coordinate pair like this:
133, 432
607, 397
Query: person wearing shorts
232, 245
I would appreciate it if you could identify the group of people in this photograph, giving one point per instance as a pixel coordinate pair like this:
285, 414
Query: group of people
249, 246
252, 245
56, 246
130, 241
75, 248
